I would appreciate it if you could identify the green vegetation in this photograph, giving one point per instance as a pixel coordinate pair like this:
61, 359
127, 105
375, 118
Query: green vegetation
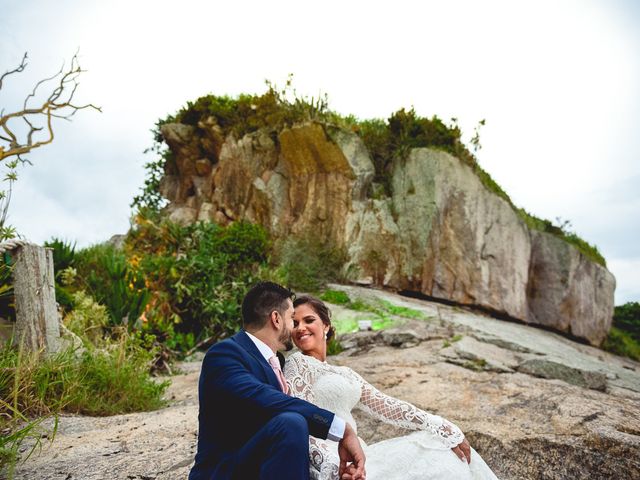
337, 297
309, 262
624, 336
196, 276
394, 138
7, 307
454, 339
562, 230
477, 364
94, 381
384, 314
105, 273
334, 347
132, 310
104, 372
274, 110
401, 311
12, 439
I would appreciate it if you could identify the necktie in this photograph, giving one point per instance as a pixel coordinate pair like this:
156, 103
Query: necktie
275, 364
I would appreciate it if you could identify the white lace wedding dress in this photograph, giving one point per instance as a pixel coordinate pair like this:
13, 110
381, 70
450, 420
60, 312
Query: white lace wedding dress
424, 454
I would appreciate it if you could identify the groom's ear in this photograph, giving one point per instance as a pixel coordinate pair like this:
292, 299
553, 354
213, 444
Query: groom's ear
274, 318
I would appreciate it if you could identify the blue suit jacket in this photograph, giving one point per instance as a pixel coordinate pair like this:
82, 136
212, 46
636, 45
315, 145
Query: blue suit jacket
239, 393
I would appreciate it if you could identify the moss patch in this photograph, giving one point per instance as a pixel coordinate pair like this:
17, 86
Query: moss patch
307, 150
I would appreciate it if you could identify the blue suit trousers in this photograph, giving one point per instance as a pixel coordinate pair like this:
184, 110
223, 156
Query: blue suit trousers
279, 450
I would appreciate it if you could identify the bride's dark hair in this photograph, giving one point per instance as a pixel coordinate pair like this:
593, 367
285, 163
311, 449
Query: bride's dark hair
320, 308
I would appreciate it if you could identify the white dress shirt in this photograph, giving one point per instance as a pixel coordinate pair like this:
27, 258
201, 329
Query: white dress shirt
336, 431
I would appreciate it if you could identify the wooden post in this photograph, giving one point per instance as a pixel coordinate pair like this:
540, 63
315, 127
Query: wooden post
37, 325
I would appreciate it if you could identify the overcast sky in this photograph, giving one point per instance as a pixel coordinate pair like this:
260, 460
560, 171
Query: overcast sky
556, 80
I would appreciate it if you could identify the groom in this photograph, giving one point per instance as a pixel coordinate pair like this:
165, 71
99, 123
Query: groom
249, 428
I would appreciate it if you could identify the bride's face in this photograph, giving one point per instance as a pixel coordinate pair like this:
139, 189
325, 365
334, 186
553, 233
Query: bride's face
309, 331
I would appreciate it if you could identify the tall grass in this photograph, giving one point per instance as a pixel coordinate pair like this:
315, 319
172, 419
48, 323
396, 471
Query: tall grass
93, 381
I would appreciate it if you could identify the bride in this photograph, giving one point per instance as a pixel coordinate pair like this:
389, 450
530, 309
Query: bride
437, 449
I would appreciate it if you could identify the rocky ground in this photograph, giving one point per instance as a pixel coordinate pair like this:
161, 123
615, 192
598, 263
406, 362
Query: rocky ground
536, 405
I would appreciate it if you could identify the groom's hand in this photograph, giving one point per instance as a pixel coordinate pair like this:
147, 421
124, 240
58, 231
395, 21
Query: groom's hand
350, 450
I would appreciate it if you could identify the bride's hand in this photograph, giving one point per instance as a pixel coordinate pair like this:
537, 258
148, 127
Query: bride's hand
349, 473
463, 451
350, 450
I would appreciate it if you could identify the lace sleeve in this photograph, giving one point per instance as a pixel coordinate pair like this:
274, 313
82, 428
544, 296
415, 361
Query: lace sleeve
403, 414
300, 377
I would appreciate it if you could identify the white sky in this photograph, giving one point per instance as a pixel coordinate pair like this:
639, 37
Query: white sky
556, 80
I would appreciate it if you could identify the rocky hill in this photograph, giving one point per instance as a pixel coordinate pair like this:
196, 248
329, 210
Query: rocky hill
535, 404
439, 232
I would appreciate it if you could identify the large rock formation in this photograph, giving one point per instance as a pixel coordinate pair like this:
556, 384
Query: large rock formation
441, 233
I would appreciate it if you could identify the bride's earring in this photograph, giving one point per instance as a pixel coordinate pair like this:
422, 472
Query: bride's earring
325, 334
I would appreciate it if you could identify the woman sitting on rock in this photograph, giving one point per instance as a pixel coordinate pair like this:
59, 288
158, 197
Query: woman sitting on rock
437, 450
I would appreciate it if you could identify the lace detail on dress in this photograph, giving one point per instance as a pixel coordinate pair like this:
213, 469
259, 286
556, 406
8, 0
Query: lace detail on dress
403, 414
303, 372
323, 461
300, 376
421, 455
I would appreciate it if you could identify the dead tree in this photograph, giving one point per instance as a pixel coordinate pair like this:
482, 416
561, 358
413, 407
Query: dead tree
32, 126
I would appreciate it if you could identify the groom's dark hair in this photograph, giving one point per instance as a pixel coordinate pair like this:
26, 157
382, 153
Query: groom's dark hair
261, 300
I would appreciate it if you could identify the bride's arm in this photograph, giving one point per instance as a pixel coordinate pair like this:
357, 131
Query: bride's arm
403, 414
300, 377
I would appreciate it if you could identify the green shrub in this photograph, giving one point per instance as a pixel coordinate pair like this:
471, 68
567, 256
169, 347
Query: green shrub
116, 380
63, 261
274, 110
63, 253
622, 343
198, 275
624, 336
64, 297
627, 317
394, 138
334, 347
105, 273
309, 262
88, 319
7, 298
562, 231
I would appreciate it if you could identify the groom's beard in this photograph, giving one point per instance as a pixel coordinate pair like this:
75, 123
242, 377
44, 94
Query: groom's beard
285, 339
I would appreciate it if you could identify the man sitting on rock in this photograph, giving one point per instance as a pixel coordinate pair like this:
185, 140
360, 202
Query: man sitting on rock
248, 426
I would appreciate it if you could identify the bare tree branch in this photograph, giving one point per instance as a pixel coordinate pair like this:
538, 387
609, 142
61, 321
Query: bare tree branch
18, 69
17, 141
59, 104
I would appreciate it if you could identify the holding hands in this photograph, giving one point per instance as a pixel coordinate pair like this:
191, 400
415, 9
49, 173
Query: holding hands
350, 450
